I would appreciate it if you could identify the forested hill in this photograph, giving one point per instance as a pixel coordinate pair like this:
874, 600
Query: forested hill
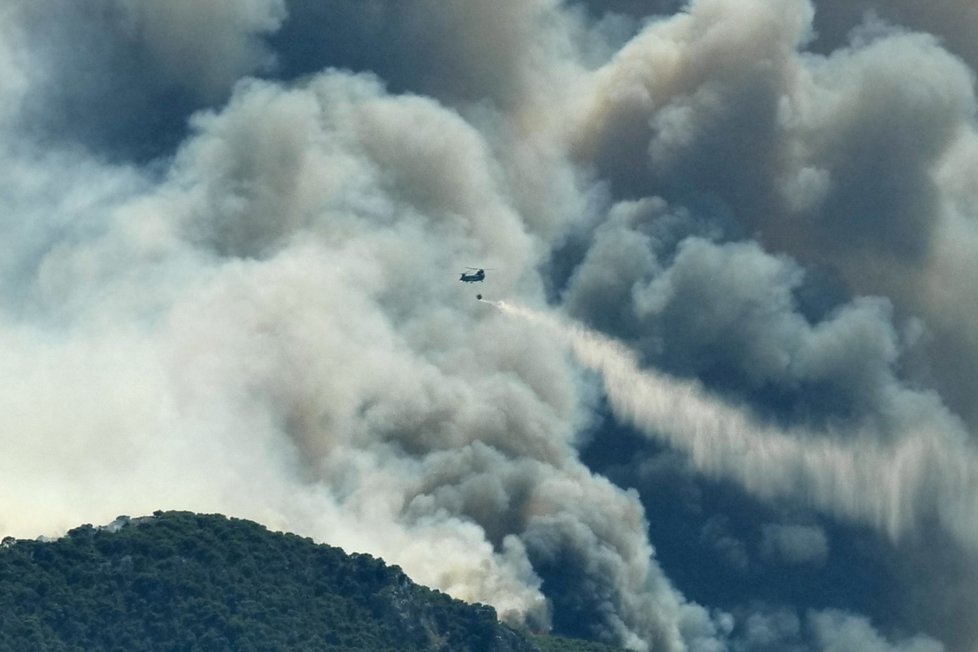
181, 581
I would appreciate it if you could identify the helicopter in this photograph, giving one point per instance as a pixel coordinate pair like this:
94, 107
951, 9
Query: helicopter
474, 275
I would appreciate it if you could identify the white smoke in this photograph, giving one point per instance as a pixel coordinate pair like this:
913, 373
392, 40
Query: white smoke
232, 294
890, 485
274, 330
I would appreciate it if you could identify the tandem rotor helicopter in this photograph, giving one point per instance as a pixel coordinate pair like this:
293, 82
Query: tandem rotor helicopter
474, 275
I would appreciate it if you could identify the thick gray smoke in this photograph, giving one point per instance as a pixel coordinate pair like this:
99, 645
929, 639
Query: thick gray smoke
233, 232
894, 486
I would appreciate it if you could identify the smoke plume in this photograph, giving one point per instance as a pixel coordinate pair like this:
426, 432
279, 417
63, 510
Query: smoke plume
233, 233
891, 485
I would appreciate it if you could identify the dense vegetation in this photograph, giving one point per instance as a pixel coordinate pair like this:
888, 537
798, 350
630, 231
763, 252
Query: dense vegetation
561, 644
180, 581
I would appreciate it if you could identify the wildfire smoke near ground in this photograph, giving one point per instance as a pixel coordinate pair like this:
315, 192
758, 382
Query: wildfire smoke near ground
718, 395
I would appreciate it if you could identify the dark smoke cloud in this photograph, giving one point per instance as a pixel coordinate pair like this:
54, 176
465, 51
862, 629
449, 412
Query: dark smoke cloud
233, 231
457, 51
952, 21
121, 76
833, 160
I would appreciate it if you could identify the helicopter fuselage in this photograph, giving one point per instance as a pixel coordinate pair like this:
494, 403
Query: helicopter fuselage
472, 278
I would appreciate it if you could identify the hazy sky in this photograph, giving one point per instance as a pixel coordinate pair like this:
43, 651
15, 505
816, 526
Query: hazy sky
720, 397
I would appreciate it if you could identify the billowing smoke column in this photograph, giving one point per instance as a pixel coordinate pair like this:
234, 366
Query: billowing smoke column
229, 283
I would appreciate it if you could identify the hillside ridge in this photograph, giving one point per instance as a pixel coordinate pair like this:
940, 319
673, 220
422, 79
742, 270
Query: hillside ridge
185, 581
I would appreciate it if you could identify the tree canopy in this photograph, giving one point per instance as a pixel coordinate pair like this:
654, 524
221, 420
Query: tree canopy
186, 582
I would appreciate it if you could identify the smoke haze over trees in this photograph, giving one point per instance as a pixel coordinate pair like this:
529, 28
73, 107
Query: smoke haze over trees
229, 284
182, 581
